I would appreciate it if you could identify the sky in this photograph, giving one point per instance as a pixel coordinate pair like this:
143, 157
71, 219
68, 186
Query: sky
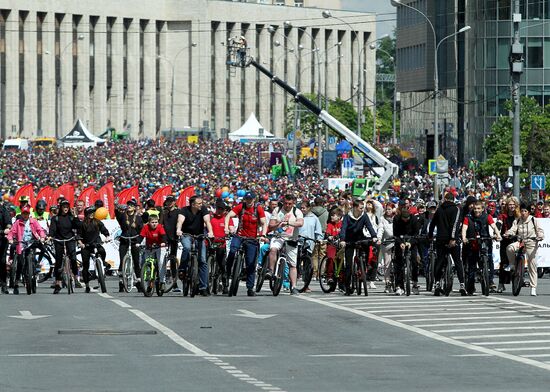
386, 17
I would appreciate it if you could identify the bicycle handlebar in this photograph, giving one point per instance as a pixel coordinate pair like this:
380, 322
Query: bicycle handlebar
67, 240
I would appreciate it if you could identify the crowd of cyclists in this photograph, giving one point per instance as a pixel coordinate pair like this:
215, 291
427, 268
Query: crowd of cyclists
394, 237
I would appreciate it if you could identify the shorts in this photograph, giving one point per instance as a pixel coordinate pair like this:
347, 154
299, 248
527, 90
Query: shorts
291, 251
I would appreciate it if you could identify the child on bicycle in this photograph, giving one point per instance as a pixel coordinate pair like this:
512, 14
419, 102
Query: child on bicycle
24, 230
333, 230
155, 238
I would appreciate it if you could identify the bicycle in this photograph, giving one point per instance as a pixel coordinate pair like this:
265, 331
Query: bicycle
98, 266
519, 268
67, 274
191, 280
238, 267
128, 276
149, 273
331, 270
448, 275
26, 258
358, 267
215, 274
304, 264
483, 269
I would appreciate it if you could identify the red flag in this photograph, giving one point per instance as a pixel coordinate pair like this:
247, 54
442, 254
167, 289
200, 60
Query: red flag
107, 195
161, 194
128, 194
183, 200
88, 195
65, 190
46, 195
26, 190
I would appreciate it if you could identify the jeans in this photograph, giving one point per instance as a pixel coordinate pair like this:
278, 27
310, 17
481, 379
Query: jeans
86, 253
250, 251
203, 267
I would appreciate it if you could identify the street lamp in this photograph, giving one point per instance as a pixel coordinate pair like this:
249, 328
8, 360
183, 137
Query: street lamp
391, 58
172, 88
397, 3
80, 38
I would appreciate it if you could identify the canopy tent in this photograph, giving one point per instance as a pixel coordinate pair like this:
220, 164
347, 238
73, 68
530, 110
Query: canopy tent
251, 129
80, 136
343, 146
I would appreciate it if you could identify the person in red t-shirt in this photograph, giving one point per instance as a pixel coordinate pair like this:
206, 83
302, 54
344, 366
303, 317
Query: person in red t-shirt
334, 225
217, 220
475, 224
155, 238
251, 218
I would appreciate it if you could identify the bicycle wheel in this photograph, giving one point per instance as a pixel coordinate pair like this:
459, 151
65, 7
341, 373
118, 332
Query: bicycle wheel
44, 258
484, 280
355, 278
212, 273
29, 273
127, 273
236, 274
147, 277
158, 287
194, 276
304, 273
363, 276
517, 277
326, 281
68, 275
407, 273
430, 275
448, 277
260, 278
100, 273
277, 280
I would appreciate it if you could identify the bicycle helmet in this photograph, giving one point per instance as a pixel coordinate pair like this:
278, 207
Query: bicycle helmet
89, 210
431, 204
41, 205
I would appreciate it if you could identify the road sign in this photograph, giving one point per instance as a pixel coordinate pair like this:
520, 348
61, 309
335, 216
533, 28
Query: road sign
432, 167
290, 136
331, 140
538, 183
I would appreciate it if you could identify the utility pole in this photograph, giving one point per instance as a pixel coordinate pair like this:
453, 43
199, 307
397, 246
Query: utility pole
516, 69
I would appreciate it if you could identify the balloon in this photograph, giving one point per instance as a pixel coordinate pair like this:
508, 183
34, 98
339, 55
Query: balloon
225, 189
241, 193
101, 213
218, 192
6, 196
225, 194
232, 196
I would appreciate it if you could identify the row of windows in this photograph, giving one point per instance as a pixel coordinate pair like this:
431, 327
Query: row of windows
411, 58
497, 51
503, 9
409, 17
491, 99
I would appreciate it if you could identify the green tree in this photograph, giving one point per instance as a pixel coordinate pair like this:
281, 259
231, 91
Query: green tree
534, 140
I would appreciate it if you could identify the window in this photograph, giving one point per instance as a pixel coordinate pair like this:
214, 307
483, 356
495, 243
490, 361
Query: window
503, 53
504, 10
490, 54
534, 53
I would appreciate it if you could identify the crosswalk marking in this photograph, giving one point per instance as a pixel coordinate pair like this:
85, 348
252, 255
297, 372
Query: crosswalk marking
507, 328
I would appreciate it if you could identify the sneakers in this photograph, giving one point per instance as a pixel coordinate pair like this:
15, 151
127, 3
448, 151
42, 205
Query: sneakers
463, 290
437, 289
387, 289
77, 284
203, 293
533, 291
87, 289
175, 288
501, 288
294, 291
225, 290
57, 289
15, 290
268, 274
251, 293
162, 287
371, 285
44, 278
416, 289
399, 291
4, 288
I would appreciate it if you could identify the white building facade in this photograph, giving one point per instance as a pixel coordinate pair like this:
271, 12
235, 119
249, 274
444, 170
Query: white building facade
116, 64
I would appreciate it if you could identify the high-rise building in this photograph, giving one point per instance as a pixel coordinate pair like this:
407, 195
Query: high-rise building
119, 64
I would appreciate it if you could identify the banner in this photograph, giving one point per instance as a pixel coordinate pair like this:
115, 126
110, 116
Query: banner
26, 190
46, 195
128, 194
183, 200
88, 195
66, 191
161, 194
107, 195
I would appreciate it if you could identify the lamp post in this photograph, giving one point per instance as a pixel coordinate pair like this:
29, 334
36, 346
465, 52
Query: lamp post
173, 86
394, 126
397, 3
80, 38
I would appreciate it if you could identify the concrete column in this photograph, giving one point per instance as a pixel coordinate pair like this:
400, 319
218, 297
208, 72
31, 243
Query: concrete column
199, 72
264, 56
369, 76
48, 89
292, 56
250, 97
133, 64
149, 80
165, 79
100, 77
307, 63
82, 106
345, 86
117, 75
12, 74
278, 93
30, 109
220, 78
235, 100
66, 46
331, 66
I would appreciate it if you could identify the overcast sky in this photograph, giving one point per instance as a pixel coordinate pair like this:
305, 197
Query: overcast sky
385, 11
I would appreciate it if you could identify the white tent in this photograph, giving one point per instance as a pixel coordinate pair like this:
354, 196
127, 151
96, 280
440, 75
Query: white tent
80, 136
251, 129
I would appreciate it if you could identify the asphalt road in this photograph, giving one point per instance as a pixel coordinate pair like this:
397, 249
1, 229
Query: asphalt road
311, 342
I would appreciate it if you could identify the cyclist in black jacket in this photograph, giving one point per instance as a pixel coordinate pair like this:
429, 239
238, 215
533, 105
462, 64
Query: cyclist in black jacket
63, 227
130, 225
447, 222
5, 226
89, 232
406, 225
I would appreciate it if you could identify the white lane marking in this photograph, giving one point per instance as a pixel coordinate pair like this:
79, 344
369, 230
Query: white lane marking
536, 356
523, 349
249, 314
452, 313
359, 355
405, 303
472, 355
240, 356
228, 367
59, 355
104, 295
513, 301
432, 335
213, 359
508, 328
524, 308
428, 306
27, 315
504, 335
510, 342
234, 372
482, 323
174, 355
466, 318
170, 334
121, 303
